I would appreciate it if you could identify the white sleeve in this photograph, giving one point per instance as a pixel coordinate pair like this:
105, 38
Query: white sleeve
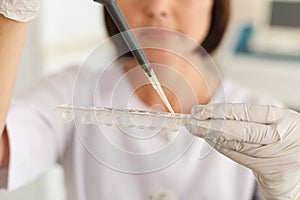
37, 134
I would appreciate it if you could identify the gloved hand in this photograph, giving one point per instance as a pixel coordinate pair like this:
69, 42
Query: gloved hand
19, 10
265, 139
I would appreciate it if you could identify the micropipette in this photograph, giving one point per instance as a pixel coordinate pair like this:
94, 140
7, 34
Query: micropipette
134, 46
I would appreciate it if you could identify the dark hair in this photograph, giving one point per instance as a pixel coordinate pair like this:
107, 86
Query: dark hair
219, 21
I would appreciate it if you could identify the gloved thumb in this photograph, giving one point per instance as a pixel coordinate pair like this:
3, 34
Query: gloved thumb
264, 114
234, 122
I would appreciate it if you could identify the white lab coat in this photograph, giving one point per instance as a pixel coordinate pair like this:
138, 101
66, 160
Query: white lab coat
39, 138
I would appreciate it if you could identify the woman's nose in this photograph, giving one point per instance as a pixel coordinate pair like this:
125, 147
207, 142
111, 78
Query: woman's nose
157, 8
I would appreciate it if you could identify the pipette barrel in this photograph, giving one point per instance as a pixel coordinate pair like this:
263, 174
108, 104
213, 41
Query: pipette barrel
134, 46
128, 36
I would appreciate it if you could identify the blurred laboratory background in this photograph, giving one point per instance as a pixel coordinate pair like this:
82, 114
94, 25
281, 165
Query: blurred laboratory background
261, 50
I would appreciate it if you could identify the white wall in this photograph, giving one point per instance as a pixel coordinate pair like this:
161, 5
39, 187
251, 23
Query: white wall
69, 31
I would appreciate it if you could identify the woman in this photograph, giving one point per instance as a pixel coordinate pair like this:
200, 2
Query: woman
179, 17
29, 147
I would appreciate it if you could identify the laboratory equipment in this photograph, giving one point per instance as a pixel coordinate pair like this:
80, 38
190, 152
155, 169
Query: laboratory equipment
104, 90
129, 118
134, 46
276, 30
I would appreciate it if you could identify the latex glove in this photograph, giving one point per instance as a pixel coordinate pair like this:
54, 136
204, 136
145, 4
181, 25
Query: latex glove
19, 10
265, 139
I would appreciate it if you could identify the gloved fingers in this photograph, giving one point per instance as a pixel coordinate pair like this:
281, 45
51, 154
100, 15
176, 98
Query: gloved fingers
253, 150
242, 147
268, 166
238, 157
205, 129
230, 130
263, 114
248, 132
20, 10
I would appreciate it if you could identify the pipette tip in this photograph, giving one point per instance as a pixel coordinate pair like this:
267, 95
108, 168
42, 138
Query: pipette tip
156, 85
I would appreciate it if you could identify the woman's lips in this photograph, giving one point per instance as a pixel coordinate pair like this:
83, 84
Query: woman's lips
157, 33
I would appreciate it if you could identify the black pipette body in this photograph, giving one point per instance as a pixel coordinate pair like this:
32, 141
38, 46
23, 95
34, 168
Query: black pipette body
134, 46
